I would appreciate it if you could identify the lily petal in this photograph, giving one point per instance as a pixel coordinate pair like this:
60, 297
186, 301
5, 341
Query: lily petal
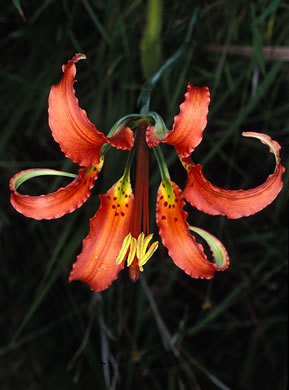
152, 138
77, 136
203, 195
190, 123
156, 133
124, 139
96, 264
185, 252
65, 200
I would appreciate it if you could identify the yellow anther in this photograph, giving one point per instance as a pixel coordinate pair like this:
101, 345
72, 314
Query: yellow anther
132, 251
148, 255
137, 247
140, 245
147, 240
123, 251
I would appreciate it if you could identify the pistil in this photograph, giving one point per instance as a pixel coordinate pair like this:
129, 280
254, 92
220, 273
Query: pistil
141, 216
136, 245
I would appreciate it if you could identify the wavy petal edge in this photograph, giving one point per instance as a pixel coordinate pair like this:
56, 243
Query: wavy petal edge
76, 135
96, 264
51, 206
189, 124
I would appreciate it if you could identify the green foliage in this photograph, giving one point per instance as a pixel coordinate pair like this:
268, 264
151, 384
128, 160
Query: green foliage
18, 6
168, 331
151, 41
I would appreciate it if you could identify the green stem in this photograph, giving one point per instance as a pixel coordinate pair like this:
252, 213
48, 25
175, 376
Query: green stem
128, 163
105, 148
121, 123
161, 162
130, 120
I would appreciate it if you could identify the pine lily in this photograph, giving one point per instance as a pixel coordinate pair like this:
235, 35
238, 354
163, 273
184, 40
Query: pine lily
120, 228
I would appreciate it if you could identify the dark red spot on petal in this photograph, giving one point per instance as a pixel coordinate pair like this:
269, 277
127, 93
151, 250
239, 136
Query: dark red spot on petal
113, 206
176, 219
116, 214
122, 214
165, 204
163, 217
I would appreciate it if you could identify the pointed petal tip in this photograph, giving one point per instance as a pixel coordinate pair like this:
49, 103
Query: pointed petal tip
76, 135
77, 57
274, 146
219, 252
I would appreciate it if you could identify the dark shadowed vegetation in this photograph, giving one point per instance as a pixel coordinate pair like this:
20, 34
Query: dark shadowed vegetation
167, 331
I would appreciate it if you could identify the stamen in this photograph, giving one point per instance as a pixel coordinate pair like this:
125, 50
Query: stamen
132, 251
136, 246
148, 255
146, 243
137, 250
140, 246
124, 249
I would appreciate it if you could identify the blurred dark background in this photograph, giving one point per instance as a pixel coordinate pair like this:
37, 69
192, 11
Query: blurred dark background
168, 331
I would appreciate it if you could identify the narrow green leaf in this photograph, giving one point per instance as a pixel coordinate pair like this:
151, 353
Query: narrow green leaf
257, 42
214, 313
151, 43
68, 253
18, 6
96, 22
268, 11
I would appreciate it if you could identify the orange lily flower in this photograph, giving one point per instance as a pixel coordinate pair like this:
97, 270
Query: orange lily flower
120, 228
